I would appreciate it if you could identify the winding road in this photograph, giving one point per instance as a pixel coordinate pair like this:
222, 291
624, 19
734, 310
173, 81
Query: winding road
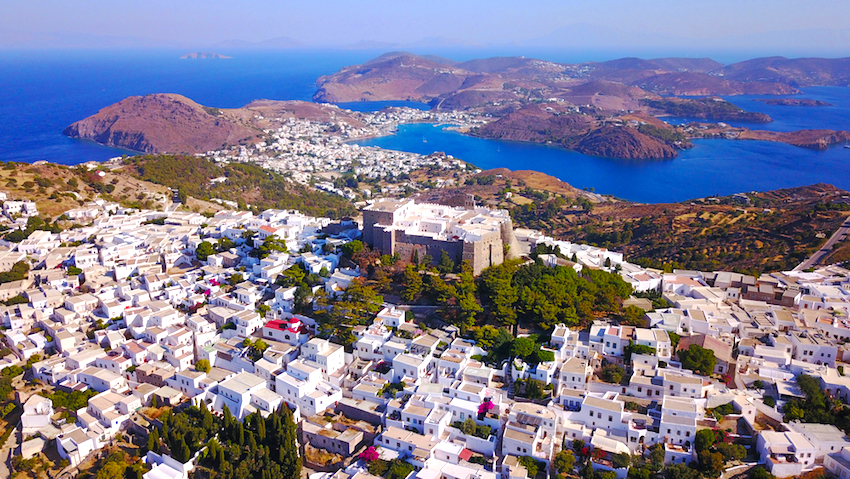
824, 251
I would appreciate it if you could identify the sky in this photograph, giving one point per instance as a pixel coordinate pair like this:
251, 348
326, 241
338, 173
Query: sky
780, 26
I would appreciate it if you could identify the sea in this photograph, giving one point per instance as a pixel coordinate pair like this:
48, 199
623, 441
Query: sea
42, 92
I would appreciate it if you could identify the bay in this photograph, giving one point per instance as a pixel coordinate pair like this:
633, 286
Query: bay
712, 167
42, 92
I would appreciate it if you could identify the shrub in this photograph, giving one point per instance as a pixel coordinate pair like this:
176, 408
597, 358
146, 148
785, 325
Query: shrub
769, 401
611, 373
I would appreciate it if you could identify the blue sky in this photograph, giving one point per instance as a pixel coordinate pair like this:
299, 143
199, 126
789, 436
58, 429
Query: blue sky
814, 26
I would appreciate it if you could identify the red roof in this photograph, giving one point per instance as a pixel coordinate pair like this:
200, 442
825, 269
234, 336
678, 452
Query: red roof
293, 320
465, 454
277, 324
268, 229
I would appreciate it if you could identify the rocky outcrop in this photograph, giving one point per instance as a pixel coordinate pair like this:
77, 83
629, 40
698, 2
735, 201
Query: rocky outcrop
623, 142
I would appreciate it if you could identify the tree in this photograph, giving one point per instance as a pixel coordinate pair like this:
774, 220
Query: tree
656, 457
498, 287
731, 452
565, 461
182, 452
412, 284
446, 264
468, 426
711, 463
235, 279
621, 460
674, 339
153, 441
681, 471
352, 248
633, 316
202, 365
704, 440
271, 244
204, 250
612, 373
522, 347
759, 472
698, 359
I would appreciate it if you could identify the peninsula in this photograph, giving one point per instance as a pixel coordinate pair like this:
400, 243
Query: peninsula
793, 102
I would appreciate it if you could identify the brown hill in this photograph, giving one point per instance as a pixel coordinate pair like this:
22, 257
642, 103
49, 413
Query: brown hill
623, 142
537, 124
400, 76
159, 123
700, 84
586, 133
167, 123
795, 72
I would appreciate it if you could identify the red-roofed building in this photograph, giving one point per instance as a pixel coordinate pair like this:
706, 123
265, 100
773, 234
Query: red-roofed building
290, 331
266, 231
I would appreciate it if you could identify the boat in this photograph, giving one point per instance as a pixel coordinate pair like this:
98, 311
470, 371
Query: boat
424, 140
847, 145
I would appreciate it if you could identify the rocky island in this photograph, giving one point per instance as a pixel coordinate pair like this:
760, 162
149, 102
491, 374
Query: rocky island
203, 56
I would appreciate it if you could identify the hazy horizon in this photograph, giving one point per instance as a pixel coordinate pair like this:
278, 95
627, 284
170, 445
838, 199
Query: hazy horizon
648, 28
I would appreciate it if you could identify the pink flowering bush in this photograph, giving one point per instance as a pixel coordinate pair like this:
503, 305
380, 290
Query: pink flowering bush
485, 407
370, 454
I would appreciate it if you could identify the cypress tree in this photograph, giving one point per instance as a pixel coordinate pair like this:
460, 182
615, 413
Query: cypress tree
261, 429
182, 452
153, 441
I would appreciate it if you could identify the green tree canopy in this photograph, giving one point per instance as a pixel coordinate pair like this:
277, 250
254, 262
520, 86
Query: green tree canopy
698, 359
204, 250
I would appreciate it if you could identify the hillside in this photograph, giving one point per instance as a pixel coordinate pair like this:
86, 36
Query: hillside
249, 185
167, 123
58, 188
587, 131
765, 231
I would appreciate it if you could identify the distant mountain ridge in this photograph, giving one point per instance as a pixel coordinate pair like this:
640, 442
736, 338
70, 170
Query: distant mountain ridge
406, 76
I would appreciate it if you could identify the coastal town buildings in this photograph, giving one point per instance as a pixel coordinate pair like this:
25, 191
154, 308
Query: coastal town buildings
146, 322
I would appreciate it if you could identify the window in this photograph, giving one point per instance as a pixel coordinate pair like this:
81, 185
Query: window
687, 433
610, 418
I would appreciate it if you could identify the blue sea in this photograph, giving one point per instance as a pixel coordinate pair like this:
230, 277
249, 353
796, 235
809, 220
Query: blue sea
42, 92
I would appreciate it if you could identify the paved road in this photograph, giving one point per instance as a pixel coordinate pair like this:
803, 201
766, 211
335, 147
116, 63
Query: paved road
820, 254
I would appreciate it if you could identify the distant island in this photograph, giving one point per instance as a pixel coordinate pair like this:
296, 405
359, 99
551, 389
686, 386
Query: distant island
203, 56
793, 102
